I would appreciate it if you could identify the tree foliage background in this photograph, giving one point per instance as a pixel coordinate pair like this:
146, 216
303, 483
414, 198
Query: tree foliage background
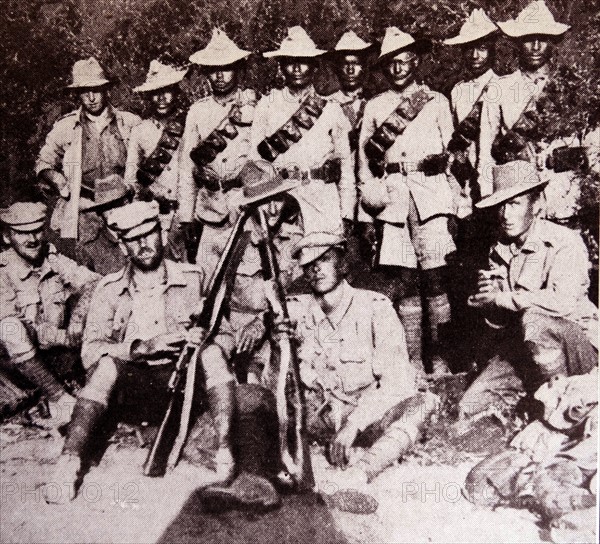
42, 39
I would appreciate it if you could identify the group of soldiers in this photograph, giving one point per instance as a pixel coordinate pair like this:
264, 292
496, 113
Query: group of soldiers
145, 209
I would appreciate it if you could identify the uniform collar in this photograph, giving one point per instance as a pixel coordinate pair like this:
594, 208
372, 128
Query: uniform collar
538, 237
335, 317
410, 90
348, 98
482, 80
24, 269
300, 97
124, 277
536, 78
111, 113
233, 96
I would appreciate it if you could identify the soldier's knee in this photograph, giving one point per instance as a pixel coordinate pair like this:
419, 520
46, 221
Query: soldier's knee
16, 339
544, 342
101, 381
216, 369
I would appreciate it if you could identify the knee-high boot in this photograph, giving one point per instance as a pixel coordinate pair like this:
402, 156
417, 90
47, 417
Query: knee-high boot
438, 313
411, 316
67, 474
221, 402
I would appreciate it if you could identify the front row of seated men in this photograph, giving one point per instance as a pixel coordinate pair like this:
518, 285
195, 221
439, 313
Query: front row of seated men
355, 368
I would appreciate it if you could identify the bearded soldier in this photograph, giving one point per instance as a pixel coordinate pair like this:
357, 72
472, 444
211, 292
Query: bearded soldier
216, 142
402, 167
87, 144
513, 118
477, 42
138, 324
306, 137
154, 153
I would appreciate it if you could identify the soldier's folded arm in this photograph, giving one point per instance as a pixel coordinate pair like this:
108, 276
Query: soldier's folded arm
567, 284
489, 128
98, 339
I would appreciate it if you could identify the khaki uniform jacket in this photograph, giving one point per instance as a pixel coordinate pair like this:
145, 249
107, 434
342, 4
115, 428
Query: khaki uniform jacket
142, 142
428, 134
353, 106
109, 330
327, 139
39, 297
357, 351
203, 118
506, 101
550, 273
463, 97
62, 152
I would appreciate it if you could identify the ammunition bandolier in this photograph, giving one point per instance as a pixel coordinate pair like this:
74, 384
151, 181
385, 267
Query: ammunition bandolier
153, 165
385, 136
521, 140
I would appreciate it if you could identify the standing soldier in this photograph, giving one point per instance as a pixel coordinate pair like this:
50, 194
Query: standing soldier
514, 124
154, 153
476, 39
349, 60
87, 144
306, 138
216, 141
102, 252
36, 286
402, 167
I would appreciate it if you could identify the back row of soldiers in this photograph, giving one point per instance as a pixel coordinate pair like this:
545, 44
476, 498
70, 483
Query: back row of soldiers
387, 174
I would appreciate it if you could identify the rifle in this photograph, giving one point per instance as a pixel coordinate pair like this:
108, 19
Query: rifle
298, 463
172, 433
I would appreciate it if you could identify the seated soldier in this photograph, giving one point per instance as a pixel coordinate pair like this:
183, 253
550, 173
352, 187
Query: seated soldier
534, 297
136, 329
361, 388
38, 285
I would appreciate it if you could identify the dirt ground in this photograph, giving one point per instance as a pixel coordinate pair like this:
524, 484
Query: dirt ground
420, 498
417, 503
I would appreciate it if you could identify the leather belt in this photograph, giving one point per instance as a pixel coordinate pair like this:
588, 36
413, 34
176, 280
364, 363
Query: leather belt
329, 172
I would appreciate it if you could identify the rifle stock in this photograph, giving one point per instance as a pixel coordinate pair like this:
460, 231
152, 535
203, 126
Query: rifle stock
297, 457
172, 433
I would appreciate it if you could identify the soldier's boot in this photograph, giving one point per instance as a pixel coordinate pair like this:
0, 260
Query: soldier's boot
438, 312
221, 402
60, 403
67, 474
411, 315
400, 436
257, 455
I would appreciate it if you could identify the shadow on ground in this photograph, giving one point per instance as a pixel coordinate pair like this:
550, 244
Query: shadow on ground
301, 519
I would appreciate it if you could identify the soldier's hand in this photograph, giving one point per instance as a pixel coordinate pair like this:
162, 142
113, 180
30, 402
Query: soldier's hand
196, 336
485, 300
250, 335
340, 445
163, 345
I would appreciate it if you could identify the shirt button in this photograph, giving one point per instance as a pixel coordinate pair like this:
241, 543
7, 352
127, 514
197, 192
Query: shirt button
404, 153
167, 168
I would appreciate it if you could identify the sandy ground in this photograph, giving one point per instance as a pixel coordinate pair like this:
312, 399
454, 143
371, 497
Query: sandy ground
117, 504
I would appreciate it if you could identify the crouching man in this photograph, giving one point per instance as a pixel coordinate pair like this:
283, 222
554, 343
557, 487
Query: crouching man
137, 326
534, 296
361, 388
38, 285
